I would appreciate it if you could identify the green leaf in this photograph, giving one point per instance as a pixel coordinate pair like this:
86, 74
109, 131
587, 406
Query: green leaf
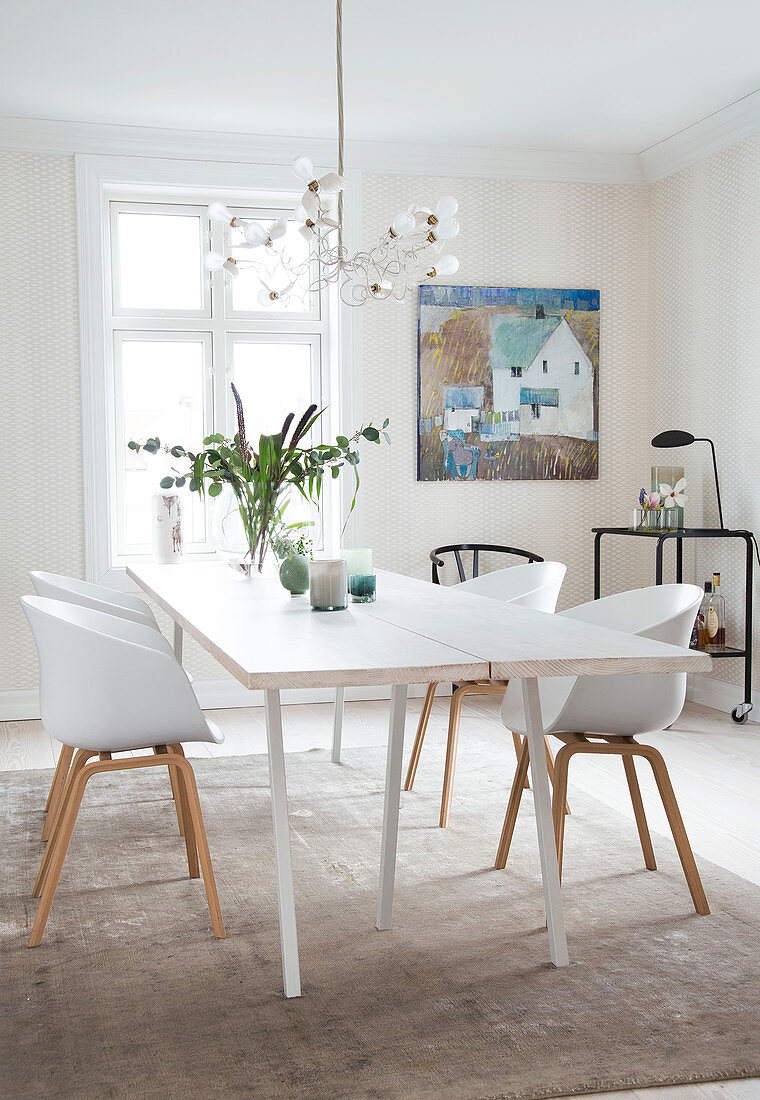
180, 481
336, 471
342, 441
372, 434
215, 489
178, 451
151, 448
387, 437
166, 482
133, 446
386, 422
193, 486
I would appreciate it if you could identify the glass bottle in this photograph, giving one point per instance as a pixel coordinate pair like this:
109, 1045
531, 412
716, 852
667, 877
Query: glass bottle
702, 617
716, 617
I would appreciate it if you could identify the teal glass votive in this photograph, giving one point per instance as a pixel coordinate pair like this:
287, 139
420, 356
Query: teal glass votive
363, 587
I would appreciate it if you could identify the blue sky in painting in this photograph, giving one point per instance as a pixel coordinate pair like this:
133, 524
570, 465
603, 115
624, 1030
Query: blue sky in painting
508, 296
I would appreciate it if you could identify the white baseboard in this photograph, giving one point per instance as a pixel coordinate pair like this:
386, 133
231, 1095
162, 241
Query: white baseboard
17, 706
719, 694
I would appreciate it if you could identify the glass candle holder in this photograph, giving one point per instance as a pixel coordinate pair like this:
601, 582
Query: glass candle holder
637, 519
358, 562
363, 587
328, 587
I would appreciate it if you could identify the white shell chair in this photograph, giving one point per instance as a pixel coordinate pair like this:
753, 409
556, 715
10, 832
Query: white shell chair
613, 710
537, 586
109, 684
97, 597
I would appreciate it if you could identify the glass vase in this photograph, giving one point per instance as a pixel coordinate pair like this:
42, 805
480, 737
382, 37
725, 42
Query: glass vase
237, 536
328, 584
653, 519
669, 475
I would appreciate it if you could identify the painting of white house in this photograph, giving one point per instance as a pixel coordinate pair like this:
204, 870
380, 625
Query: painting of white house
508, 383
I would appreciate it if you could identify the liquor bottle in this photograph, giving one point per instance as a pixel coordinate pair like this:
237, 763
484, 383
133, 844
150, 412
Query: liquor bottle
702, 617
716, 617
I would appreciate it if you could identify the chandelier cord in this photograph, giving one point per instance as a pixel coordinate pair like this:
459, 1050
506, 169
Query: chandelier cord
339, 66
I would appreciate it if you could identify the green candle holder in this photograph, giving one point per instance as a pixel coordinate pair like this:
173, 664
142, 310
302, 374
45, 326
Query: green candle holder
362, 587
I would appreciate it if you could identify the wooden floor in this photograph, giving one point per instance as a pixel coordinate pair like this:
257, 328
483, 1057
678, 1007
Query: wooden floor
714, 765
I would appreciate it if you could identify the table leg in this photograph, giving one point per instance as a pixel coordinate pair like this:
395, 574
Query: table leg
285, 896
340, 694
391, 806
544, 824
679, 561
179, 635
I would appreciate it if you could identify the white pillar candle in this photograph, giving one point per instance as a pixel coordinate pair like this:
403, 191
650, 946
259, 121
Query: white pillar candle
166, 527
328, 588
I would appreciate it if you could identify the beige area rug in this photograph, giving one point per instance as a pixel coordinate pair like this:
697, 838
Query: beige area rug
130, 996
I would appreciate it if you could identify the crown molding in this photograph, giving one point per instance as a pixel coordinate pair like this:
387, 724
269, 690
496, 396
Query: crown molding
397, 158
720, 130
723, 128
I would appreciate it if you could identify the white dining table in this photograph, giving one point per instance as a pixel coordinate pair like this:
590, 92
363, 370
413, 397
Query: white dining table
415, 633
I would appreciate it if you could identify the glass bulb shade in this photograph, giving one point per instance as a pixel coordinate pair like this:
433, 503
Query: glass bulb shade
231, 267
213, 261
264, 299
300, 213
306, 233
278, 229
446, 229
218, 212
447, 206
310, 204
332, 182
304, 169
403, 224
447, 265
421, 217
255, 233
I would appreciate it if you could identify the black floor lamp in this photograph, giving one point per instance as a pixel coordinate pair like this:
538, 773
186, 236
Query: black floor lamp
685, 439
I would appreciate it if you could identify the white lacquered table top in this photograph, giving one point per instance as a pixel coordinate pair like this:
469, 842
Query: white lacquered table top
518, 641
267, 639
415, 632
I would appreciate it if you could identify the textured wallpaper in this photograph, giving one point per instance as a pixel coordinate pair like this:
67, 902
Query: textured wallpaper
40, 412
705, 352
517, 234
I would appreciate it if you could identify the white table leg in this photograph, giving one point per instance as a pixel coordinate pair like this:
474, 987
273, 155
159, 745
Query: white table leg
179, 635
547, 847
391, 806
340, 694
285, 897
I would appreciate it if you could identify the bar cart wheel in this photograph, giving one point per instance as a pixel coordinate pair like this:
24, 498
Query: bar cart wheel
740, 714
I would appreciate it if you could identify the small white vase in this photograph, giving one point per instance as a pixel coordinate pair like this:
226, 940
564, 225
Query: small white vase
166, 527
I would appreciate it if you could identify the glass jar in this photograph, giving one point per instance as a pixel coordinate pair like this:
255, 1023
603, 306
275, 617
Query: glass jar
363, 587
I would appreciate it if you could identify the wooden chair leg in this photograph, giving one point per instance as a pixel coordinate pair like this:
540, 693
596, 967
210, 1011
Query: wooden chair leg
58, 847
196, 816
675, 821
517, 741
629, 764
80, 760
559, 800
455, 713
183, 812
57, 787
173, 780
422, 725
550, 767
515, 795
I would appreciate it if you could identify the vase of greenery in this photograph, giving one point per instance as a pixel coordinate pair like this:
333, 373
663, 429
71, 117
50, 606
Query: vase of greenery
295, 555
257, 483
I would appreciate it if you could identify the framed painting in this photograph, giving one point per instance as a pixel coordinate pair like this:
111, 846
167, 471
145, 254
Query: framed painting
508, 383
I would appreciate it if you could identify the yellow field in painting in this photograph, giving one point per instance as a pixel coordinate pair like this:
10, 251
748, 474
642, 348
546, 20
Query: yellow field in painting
534, 458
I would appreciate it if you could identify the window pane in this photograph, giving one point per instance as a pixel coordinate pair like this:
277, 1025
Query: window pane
162, 395
248, 285
160, 261
274, 379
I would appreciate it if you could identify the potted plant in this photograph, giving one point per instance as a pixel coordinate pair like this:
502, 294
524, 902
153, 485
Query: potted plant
257, 483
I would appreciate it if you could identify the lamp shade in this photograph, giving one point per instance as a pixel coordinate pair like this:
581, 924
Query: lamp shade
673, 439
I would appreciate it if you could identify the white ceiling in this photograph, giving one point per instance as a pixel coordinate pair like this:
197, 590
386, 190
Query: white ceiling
582, 75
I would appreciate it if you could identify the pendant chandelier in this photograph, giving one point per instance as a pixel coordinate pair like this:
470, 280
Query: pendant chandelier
410, 251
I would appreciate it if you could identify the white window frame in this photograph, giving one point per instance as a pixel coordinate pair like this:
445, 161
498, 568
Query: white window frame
103, 179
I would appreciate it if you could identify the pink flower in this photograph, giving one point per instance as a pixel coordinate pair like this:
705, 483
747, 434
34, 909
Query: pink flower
653, 500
